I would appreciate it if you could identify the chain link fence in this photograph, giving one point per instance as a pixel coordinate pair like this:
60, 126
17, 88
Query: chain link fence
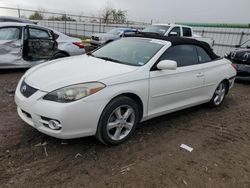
66, 22
225, 36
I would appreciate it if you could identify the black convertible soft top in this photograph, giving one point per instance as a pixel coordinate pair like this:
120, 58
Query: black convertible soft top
177, 41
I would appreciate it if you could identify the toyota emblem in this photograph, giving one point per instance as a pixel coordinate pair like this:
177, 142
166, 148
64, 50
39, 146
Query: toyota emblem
23, 88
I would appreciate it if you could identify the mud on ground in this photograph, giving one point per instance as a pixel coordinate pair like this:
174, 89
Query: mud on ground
151, 158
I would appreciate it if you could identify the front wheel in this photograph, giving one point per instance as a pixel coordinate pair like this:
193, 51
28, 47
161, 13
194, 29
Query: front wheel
118, 121
219, 95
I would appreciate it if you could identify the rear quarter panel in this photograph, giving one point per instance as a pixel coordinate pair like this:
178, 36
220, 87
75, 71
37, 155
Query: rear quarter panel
216, 72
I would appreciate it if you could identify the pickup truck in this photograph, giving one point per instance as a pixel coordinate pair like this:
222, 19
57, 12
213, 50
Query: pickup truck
176, 30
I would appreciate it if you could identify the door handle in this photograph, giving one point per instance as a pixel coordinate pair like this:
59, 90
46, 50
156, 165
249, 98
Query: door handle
200, 74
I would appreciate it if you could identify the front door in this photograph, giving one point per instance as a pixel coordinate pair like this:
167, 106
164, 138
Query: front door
171, 90
39, 44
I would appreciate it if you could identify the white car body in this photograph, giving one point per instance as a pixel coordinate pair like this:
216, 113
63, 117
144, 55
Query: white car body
65, 44
186, 86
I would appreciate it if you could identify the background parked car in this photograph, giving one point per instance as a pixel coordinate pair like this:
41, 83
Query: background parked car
99, 39
241, 59
14, 19
176, 30
24, 45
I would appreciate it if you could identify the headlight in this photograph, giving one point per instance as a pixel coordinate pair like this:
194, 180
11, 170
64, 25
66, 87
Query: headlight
74, 92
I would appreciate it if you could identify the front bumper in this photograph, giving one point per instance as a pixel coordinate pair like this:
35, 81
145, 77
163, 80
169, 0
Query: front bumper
96, 43
76, 118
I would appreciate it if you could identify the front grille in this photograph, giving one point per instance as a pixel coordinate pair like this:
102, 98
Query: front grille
95, 38
27, 90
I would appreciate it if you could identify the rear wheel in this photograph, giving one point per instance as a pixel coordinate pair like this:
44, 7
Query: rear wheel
219, 95
118, 121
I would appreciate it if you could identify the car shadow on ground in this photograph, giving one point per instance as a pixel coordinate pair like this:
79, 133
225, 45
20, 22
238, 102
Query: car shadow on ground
10, 71
245, 81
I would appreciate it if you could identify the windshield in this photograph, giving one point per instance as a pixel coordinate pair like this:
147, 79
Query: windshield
115, 31
156, 29
130, 51
246, 44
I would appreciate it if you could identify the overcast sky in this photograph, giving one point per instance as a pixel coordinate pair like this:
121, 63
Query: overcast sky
165, 11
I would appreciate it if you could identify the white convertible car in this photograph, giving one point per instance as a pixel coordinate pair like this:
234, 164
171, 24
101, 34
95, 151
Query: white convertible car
106, 93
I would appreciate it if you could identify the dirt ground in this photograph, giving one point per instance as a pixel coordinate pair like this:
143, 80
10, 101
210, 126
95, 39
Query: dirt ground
151, 158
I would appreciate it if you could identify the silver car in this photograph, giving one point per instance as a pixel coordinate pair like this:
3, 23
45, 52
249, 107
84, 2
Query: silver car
24, 45
99, 39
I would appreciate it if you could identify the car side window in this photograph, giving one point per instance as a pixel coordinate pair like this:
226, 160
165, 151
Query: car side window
202, 55
184, 55
39, 33
187, 32
10, 33
177, 30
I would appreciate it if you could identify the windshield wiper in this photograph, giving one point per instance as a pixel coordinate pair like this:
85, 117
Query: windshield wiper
110, 59
90, 54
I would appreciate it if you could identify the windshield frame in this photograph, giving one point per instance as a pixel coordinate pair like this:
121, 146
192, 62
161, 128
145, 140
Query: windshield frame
118, 31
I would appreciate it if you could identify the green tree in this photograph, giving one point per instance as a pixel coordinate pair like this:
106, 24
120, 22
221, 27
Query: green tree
36, 16
61, 18
111, 15
106, 15
121, 16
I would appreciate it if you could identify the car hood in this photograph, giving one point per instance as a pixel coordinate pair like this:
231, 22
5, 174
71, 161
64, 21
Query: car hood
240, 55
73, 70
105, 35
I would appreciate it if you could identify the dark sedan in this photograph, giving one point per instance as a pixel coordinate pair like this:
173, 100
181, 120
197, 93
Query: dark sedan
241, 59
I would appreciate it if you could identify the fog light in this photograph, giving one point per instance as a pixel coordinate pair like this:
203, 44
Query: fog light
55, 125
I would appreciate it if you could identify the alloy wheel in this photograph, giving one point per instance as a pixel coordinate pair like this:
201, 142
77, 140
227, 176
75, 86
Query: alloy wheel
121, 122
219, 94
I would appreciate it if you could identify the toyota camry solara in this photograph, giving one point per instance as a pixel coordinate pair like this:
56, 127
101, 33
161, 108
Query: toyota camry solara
106, 93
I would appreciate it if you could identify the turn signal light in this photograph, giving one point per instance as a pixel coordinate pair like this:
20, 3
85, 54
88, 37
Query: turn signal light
234, 66
79, 44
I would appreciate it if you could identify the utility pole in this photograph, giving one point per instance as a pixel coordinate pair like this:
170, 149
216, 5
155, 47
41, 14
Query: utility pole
18, 10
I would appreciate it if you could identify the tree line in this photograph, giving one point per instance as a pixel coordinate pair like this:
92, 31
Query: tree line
109, 15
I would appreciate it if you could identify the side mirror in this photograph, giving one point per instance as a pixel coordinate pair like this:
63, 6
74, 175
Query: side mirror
167, 65
237, 46
173, 34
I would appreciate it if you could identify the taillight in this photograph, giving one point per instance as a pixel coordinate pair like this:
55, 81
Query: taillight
79, 44
234, 66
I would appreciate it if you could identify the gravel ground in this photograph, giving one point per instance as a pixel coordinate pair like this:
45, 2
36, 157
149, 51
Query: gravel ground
151, 158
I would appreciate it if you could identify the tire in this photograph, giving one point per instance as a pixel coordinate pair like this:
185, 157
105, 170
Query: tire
118, 121
219, 95
60, 55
